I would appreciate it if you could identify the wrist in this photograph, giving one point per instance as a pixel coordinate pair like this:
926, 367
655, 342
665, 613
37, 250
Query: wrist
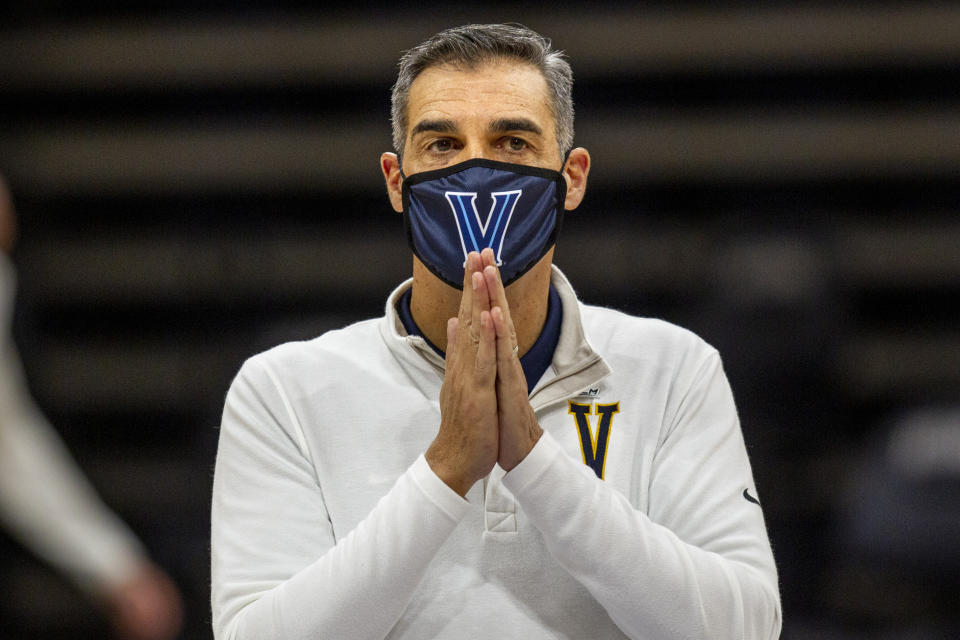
525, 446
457, 481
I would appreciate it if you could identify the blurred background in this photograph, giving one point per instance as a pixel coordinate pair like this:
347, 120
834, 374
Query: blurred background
197, 181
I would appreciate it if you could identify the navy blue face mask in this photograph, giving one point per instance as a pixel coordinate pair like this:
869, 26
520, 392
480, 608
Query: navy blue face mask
514, 209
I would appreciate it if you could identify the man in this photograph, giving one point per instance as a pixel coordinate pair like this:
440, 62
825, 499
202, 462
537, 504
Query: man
491, 458
48, 505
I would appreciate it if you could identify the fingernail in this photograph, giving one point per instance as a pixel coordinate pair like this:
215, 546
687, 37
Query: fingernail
476, 281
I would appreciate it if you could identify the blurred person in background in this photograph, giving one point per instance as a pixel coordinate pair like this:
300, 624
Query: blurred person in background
47, 504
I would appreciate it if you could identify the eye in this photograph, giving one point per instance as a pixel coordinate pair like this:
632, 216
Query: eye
516, 144
442, 145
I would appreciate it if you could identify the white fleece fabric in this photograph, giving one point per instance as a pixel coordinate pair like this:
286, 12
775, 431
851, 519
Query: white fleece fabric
327, 521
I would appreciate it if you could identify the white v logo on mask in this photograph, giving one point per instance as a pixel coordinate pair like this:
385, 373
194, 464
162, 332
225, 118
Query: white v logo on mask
476, 234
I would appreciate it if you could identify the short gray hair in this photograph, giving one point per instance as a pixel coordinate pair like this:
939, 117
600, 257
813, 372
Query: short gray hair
473, 44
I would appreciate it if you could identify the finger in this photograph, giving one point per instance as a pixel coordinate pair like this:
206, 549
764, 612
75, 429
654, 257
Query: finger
498, 298
487, 258
471, 266
481, 303
452, 324
509, 368
485, 365
501, 329
466, 332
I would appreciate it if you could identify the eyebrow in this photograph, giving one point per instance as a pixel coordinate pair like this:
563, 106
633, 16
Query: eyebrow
503, 125
438, 126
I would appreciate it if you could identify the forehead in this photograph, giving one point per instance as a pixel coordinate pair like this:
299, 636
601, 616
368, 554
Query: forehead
492, 90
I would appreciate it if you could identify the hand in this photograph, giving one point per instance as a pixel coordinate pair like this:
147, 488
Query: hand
146, 607
467, 444
519, 429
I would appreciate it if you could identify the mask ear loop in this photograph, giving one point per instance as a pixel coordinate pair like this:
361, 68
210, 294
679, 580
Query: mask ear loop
566, 157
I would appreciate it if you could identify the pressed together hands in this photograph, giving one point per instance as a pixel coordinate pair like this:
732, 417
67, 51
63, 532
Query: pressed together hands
485, 413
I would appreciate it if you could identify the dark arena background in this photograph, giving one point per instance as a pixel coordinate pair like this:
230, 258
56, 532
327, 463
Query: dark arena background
197, 181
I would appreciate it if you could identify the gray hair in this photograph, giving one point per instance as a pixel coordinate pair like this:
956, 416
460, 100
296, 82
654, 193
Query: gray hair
473, 44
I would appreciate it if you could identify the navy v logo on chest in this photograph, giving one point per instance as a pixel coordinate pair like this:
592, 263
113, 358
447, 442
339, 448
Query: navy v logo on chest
593, 444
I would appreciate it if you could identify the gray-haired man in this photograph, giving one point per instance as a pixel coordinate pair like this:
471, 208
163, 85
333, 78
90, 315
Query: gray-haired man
491, 458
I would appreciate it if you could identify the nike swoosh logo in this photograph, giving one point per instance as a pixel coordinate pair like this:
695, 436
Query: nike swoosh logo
750, 498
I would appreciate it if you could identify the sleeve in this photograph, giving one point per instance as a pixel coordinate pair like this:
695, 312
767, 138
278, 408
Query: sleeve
278, 571
699, 564
44, 498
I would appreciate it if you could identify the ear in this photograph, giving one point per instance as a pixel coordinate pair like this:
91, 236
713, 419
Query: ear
575, 173
390, 166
